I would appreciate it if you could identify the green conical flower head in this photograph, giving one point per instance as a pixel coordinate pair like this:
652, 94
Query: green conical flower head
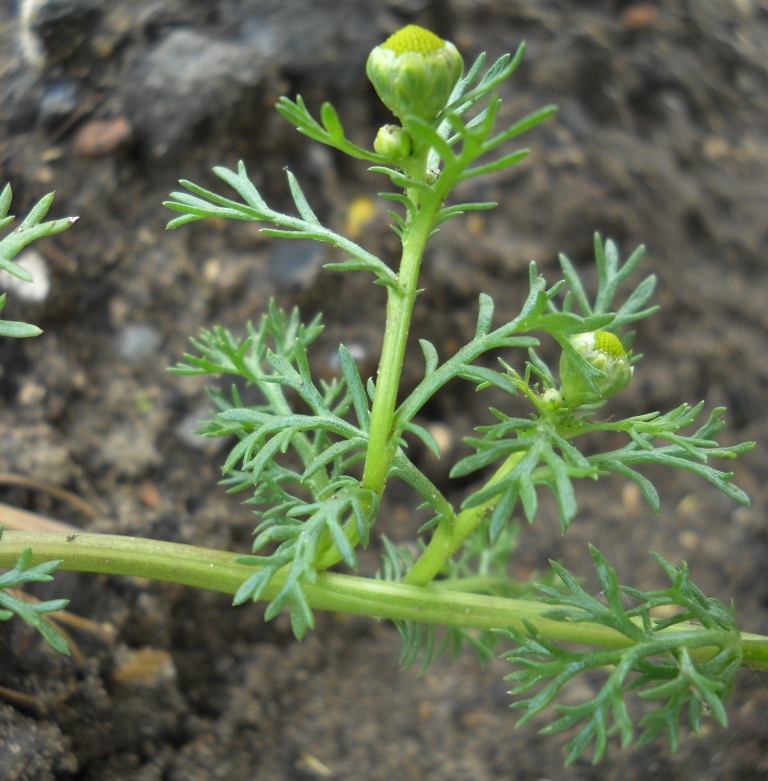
605, 352
414, 72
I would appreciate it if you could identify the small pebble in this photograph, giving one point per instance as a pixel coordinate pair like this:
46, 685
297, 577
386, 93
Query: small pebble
689, 540
146, 667
211, 269
311, 764
149, 496
689, 507
295, 263
100, 137
31, 394
631, 497
185, 431
638, 16
139, 342
59, 100
356, 350
34, 292
51, 154
716, 149
443, 435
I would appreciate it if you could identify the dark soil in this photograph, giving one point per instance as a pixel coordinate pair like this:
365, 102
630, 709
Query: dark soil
662, 138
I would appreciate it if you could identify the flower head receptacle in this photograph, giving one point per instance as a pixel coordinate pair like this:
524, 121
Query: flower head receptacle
414, 72
603, 351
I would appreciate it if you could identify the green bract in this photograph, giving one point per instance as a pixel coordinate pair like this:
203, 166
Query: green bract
414, 72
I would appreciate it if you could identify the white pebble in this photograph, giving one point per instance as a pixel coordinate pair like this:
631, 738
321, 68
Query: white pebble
138, 342
34, 292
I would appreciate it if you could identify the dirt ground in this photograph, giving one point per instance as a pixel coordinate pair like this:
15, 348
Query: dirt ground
661, 138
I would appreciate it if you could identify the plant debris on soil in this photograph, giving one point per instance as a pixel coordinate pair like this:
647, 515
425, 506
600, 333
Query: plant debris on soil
661, 138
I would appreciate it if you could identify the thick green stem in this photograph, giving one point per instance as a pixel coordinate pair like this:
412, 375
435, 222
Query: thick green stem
217, 571
448, 538
400, 301
382, 442
492, 585
382, 446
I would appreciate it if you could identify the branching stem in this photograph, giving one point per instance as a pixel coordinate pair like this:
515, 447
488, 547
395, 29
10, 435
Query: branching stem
448, 538
217, 571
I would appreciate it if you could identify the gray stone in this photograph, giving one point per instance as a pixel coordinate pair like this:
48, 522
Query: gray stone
138, 342
186, 431
59, 100
327, 41
187, 79
295, 263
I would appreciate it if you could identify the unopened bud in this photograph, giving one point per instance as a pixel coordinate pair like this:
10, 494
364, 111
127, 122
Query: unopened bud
414, 72
552, 399
603, 351
392, 141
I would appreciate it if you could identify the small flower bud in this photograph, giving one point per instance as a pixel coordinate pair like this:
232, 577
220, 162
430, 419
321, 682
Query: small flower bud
392, 141
605, 352
414, 72
552, 399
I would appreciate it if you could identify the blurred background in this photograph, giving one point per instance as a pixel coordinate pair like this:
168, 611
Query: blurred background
661, 139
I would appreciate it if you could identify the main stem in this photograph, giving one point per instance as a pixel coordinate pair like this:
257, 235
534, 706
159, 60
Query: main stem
400, 301
401, 297
218, 571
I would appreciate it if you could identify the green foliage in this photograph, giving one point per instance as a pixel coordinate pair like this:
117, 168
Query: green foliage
296, 464
429, 139
299, 447
477, 568
14, 328
319, 506
547, 458
330, 132
332, 509
205, 203
32, 613
319, 512
30, 229
610, 276
689, 659
541, 449
302, 445
317, 456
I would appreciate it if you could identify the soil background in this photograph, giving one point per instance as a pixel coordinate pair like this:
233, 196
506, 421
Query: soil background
661, 138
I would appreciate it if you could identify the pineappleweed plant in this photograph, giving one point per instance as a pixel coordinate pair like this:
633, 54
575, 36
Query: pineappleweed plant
317, 457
